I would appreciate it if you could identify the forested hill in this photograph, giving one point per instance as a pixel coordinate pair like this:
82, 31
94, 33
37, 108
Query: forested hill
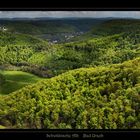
93, 82
44, 25
118, 26
112, 45
7, 38
94, 98
52, 29
112, 26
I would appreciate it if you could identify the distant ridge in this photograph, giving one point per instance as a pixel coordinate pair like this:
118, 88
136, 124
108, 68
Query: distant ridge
63, 18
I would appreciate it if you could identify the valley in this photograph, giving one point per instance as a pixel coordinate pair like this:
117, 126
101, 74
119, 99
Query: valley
70, 73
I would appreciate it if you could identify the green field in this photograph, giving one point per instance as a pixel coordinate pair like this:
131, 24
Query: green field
16, 80
2, 127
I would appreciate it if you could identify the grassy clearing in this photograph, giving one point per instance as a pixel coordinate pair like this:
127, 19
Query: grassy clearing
2, 127
16, 80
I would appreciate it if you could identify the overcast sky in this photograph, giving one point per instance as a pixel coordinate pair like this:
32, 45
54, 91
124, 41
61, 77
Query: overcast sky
60, 14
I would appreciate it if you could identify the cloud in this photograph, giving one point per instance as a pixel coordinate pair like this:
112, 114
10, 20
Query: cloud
59, 14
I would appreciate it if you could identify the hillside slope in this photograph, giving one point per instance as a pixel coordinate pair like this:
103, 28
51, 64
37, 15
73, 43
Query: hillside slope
22, 52
111, 49
94, 98
41, 25
53, 30
110, 27
8, 38
117, 26
116, 42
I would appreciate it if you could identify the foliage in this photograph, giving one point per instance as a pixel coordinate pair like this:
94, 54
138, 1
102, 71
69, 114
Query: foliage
100, 87
116, 42
94, 98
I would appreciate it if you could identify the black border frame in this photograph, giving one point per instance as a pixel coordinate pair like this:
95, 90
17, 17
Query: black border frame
42, 134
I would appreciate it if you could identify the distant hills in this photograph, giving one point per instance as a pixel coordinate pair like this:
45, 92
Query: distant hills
64, 18
93, 80
51, 29
82, 24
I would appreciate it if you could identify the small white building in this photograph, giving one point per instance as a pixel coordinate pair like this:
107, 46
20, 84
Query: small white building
4, 29
55, 41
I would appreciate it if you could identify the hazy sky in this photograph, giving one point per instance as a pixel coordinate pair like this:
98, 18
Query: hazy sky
59, 14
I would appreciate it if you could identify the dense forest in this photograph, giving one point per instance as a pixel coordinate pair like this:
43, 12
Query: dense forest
91, 81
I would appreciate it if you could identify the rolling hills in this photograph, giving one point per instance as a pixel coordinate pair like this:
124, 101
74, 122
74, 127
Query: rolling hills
36, 26
56, 29
93, 80
116, 42
93, 98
